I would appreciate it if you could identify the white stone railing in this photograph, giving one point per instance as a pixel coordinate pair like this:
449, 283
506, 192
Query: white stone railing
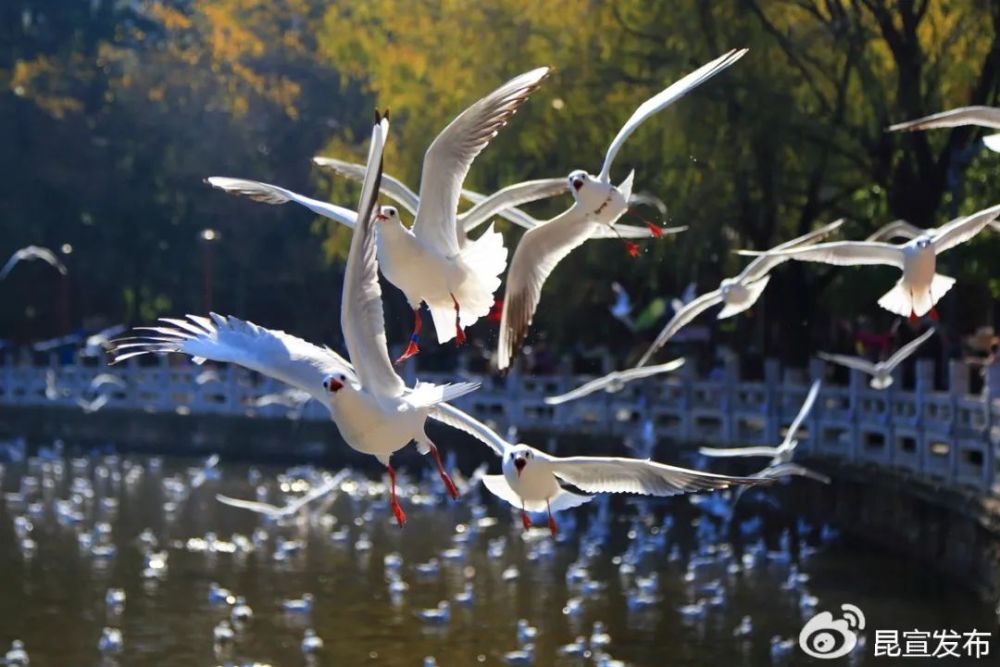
948, 438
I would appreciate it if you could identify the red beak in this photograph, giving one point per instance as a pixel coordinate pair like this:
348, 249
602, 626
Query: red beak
334, 385
381, 217
519, 464
577, 183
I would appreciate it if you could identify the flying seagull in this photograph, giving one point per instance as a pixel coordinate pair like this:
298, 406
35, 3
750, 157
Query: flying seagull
374, 410
31, 253
597, 204
737, 294
293, 506
533, 480
435, 262
882, 371
614, 382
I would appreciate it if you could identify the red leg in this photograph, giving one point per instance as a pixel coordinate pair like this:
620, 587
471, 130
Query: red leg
448, 484
913, 318
412, 348
459, 334
934, 314
525, 521
632, 248
553, 528
393, 501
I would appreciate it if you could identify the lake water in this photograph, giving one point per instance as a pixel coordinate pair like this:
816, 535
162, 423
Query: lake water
52, 596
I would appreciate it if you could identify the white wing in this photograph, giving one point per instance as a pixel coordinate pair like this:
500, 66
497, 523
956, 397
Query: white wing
599, 474
537, 255
331, 485
272, 194
902, 353
730, 452
253, 506
509, 197
977, 115
842, 253
391, 187
449, 157
452, 416
857, 363
961, 230
361, 317
272, 353
803, 411
789, 469
681, 319
33, 252
763, 264
896, 229
664, 99
620, 376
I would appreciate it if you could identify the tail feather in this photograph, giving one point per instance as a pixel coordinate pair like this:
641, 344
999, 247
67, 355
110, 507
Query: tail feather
897, 300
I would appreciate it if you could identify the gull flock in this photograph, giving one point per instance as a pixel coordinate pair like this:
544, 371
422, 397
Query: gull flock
437, 263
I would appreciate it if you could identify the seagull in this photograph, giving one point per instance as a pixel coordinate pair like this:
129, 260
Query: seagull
29, 253
882, 371
907, 230
374, 410
597, 204
532, 480
977, 115
292, 507
111, 641
311, 642
737, 294
435, 262
920, 287
614, 382
621, 309
781, 456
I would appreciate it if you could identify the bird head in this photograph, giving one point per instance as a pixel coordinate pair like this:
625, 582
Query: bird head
577, 179
519, 456
387, 214
335, 382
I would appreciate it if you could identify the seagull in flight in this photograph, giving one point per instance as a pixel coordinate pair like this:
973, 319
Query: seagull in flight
781, 456
920, 287
977, 115
597, 204
292, 507
435, 262
614, 382
533, 480
374, 410
737, 294
31, 253
882, 371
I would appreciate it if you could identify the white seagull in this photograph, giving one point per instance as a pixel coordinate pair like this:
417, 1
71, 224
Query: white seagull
292, 507
533, 480
615, 381
435, 262
920, 286
737, 294
597, 204
30, 253
882, 371
976, 115
781, 456
374, 410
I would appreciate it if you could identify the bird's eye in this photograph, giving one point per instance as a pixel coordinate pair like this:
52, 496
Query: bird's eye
342, 377
326, 384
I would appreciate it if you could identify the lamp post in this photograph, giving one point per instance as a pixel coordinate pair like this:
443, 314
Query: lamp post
208, 237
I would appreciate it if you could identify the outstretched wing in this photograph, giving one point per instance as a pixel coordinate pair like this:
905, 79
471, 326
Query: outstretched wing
583, 390
361, 316
857, 363
260, 508
664, 99
961, 230
452, 416
272, 194
762, 265
508, 198
733, 452
902, 353
449, 157
841, 253
391, 187
804, 411
975, 115
599, 474
681, 319
227, 339
32, 252
537, 255
896, 229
